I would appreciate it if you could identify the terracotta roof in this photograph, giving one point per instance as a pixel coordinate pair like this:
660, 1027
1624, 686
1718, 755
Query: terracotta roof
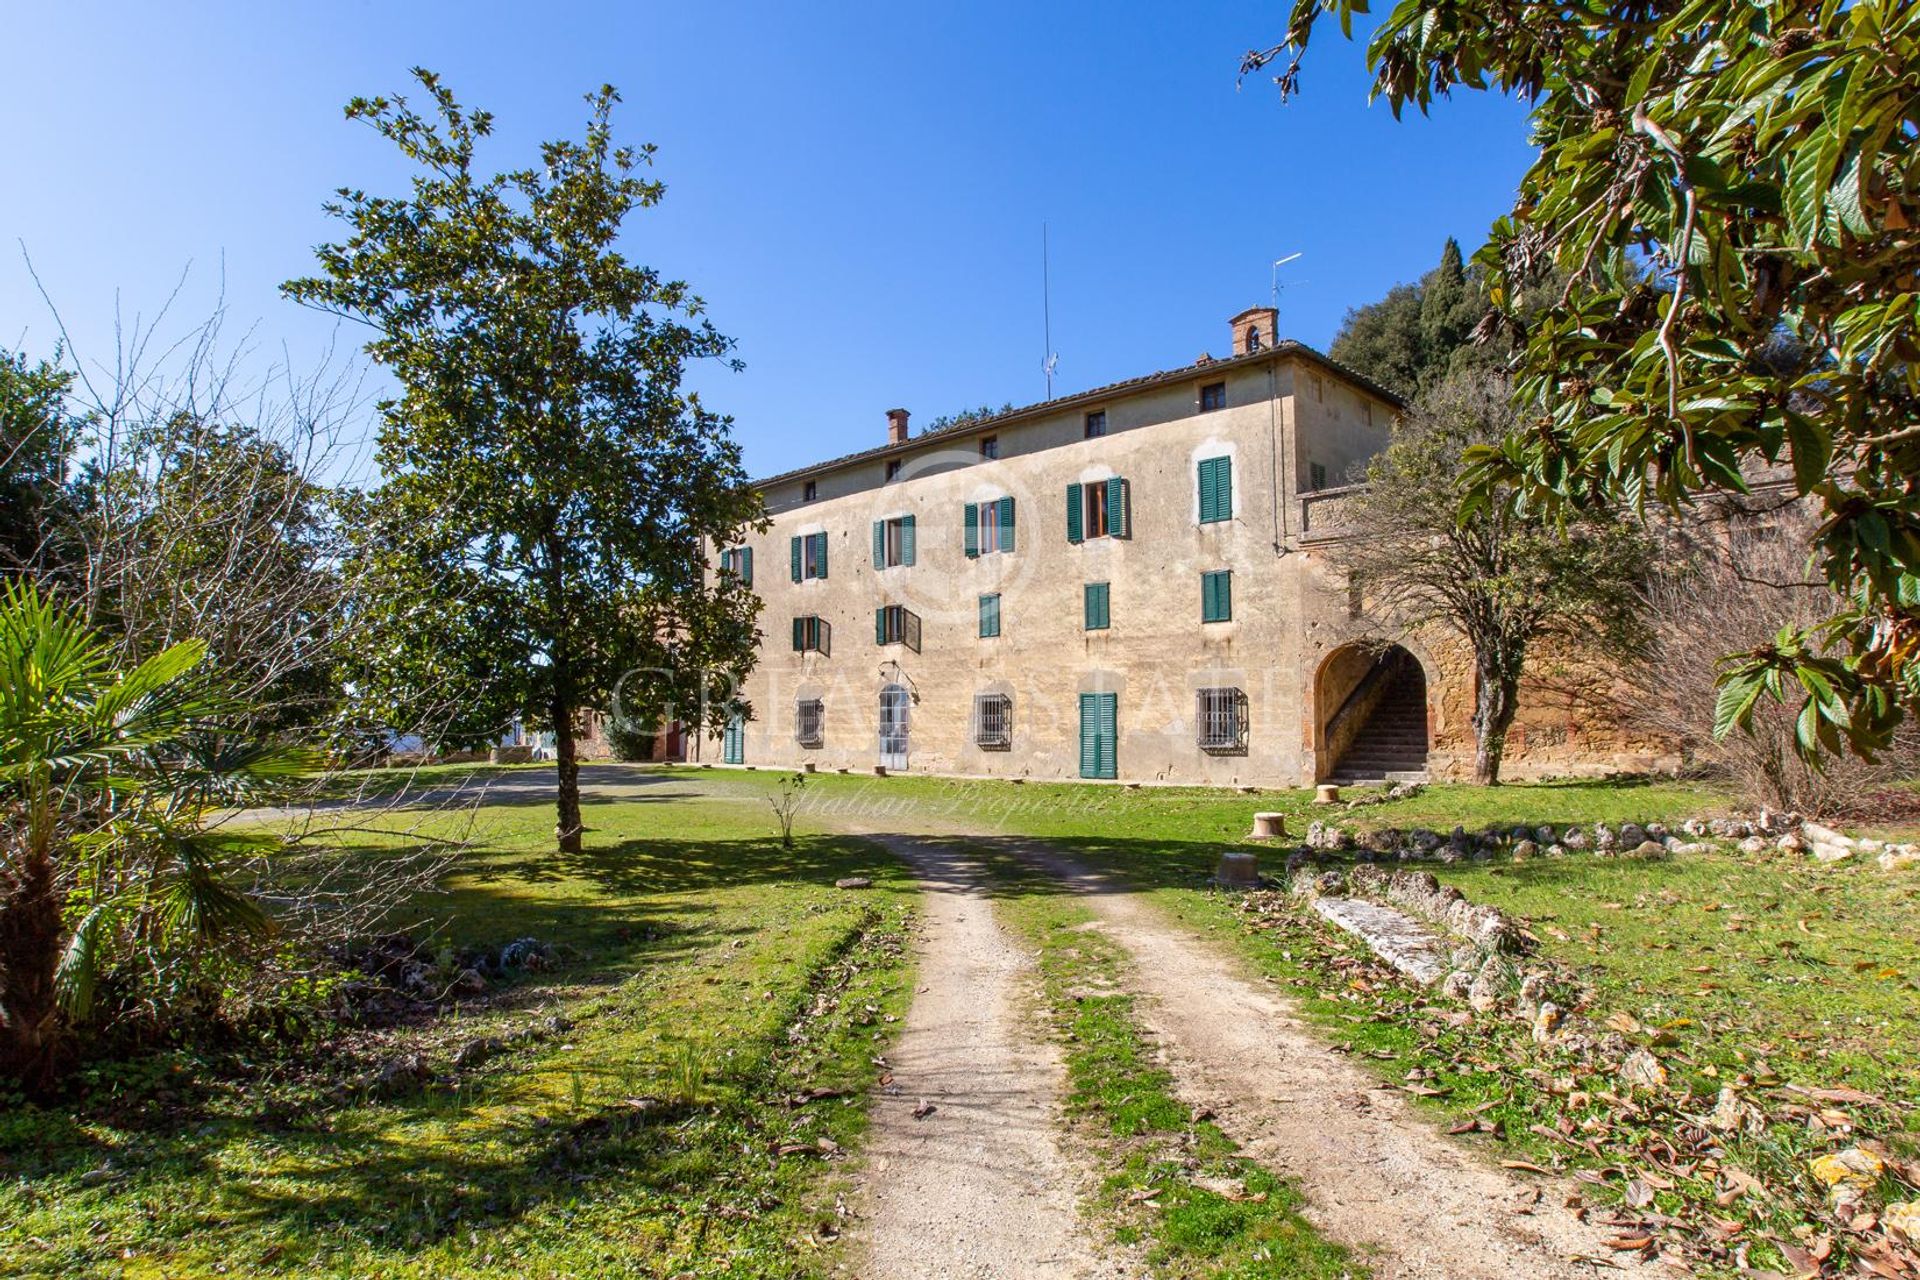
1287, 348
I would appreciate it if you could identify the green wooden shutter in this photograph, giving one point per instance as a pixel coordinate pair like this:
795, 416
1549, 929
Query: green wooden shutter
1096, 601
793, 545
1099, 735
973, 530
1006, 524
1216, 596
906, 539
1224, 488
880, 625
1073, 513
822, 557
1118, 525
879, 544
1216, 490
989, 616
746, 565
799, 634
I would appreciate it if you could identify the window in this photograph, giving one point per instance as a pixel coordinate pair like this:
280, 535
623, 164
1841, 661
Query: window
1099, 734
1098, 617
738, 561
989, 616
1098, 510
1316, 475
892, 542
989, 527
808, 553
810, 722
893, 468
812, 634
811, 491
1220, 720
896, 624
1096, 423
1216, 596
1216, 490
1213, 396
989, 446
992, 721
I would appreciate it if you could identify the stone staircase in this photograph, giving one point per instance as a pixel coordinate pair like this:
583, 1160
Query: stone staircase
1392, 745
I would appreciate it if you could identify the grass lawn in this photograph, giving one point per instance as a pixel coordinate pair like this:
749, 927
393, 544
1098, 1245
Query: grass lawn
708, 977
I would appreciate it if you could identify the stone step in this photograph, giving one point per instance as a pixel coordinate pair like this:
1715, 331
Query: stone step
1407, 944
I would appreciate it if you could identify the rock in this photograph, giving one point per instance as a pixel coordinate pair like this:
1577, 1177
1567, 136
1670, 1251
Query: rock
1631, 834
1753, 844
471, 981
1899, 857
1642, 1070
1523, 850
1833, 852
1604, 839
1423, 840
1649, 849
1518, 834
1791, 843
1457, 984
475, 1052
1574, 839
1556, 851
1546, 835
1546, 1022
1484, 995
853, 882
1734, 1114
1903, 1218
1720, 827
403, 1073
1693, 826
525, 953
1533, 991
1657, 831
1854, 1170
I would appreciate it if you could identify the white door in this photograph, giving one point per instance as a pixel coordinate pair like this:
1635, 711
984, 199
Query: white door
893, 726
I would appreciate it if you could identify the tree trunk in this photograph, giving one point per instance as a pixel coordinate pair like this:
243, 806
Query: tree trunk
30, 1039
1495, 701
567, 829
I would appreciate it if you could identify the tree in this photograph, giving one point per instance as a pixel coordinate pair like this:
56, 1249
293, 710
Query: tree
37, 438
1711, 177
1417, 334
549, 490
1505, 582
108, 776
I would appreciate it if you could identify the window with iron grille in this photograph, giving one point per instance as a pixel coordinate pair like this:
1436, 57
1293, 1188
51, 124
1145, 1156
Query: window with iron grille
1316, 475
1213, 396
1221, 718
810, 722
993, 721
1096, 423
989, 446
810, 491
896, 624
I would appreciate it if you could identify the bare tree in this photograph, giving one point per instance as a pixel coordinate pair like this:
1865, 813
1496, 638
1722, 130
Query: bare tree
1730, 578
1502, 581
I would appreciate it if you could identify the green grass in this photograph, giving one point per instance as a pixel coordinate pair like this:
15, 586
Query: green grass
710, 976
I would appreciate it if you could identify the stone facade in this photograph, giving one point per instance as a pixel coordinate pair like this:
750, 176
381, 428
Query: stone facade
1278, 634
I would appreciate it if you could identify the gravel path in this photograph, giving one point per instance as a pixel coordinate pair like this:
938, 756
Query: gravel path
979, 1187
1376, 1174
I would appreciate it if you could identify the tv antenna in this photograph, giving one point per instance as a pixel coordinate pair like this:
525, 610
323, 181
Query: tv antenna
1277, 264
1050, 359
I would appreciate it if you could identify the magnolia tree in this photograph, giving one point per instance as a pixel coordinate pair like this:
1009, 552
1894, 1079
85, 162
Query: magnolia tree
549, 488
1732, 193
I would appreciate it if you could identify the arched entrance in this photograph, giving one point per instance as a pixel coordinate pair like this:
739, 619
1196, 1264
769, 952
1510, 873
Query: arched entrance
1370, 709
894, 704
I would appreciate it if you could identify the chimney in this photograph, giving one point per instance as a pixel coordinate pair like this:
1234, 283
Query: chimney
896, 426
1253, 330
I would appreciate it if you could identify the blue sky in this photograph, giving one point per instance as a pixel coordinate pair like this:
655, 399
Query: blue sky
856, 189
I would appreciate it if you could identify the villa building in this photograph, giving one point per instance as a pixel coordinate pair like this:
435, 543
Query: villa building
1125, 583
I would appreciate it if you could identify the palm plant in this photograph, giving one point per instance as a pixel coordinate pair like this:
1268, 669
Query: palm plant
108, 780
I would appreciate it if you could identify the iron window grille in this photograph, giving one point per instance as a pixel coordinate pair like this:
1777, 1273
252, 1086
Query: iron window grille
989, 446
993, 721
809, 722
1096, 423
1213, 396
1221, 718
897, 624
810, 491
